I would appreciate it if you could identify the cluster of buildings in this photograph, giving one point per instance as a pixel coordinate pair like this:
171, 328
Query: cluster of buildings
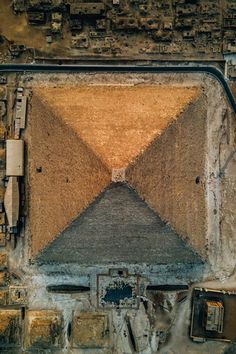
13, 295
199, 29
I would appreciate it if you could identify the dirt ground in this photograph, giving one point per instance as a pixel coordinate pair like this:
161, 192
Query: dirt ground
118, 123
16, 29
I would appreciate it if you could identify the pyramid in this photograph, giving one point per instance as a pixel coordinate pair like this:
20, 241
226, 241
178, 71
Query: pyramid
118, 122
118, 227
78, 137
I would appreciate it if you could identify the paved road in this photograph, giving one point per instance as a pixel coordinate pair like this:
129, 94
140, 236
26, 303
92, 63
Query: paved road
209, 70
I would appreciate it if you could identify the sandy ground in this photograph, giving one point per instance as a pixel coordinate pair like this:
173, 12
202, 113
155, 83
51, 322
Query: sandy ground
118, 123
16, 29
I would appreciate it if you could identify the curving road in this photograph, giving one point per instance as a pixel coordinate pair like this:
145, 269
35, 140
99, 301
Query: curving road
210, 70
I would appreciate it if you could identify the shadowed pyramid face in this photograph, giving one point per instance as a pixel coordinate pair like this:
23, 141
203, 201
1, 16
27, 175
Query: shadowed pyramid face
118, 227
78, 137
